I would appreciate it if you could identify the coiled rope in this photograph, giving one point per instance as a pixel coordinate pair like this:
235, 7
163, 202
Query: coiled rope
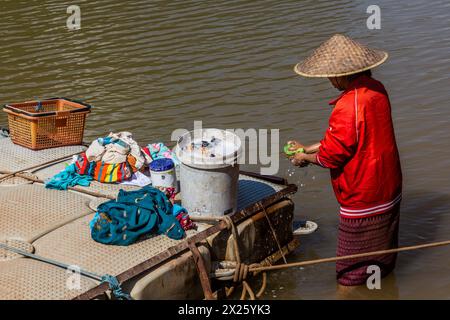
241, 270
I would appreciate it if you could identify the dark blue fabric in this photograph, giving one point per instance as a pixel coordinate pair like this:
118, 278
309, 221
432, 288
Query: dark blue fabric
135, 214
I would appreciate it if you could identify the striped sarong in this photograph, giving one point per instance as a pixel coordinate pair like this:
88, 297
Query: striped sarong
359, 235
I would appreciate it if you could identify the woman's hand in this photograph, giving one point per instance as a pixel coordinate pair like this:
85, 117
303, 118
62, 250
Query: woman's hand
303, 159
295, 145
300, 160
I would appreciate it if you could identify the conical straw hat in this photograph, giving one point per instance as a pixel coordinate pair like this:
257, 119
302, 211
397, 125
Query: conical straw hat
340, 56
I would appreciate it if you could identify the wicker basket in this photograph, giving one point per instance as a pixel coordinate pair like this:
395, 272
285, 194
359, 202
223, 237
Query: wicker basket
47, 124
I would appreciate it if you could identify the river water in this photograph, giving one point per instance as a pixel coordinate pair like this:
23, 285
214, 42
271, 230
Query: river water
150, 67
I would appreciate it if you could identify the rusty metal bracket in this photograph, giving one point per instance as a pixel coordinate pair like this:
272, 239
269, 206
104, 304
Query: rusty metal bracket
202, 272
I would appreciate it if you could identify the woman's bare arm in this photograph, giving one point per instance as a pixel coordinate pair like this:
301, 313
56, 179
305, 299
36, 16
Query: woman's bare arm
312, 148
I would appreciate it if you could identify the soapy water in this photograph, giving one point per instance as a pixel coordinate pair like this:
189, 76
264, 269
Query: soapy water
211, 149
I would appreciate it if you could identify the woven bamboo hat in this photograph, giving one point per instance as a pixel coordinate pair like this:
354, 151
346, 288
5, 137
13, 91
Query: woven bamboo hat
340, 56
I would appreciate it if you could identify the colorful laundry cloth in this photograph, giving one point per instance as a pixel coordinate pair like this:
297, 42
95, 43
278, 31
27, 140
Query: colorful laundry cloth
112, 172
69, 177
104, 172
112, 159
170, 192
182, 216
135, 214
159, 151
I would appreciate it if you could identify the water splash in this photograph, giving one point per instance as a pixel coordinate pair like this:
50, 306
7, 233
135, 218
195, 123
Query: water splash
297, 176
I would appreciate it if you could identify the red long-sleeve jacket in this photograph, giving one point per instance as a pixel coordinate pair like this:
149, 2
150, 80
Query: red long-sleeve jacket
360, 149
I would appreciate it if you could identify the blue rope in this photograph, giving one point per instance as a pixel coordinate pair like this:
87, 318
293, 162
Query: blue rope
114, 285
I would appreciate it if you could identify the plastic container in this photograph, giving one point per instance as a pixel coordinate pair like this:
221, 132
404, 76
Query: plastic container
47, 124
209, 175
163, 174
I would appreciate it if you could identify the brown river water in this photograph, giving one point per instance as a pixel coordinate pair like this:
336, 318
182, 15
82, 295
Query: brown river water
150, 67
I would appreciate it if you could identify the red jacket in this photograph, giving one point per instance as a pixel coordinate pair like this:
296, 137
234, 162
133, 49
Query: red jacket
360, 149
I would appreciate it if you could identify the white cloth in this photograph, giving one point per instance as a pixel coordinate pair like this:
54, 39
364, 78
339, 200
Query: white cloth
95, 151
115, 153
138, 179
136, 151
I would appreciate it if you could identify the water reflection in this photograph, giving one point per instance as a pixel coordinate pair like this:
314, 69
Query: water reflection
153, 66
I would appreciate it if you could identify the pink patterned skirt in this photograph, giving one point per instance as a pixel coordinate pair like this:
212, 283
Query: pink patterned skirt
359, 235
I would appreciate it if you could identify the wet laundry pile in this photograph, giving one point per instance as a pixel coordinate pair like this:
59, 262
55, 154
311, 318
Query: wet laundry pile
134, 216
117, 158
114, 158
111, 159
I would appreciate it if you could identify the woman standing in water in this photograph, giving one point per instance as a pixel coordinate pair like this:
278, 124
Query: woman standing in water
360, 150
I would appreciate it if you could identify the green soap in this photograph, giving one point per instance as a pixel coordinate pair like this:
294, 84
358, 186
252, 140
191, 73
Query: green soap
292, 152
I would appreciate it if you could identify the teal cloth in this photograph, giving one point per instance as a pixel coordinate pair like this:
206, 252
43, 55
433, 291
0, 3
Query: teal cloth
69, 177
135, 214
177, 209
115, 287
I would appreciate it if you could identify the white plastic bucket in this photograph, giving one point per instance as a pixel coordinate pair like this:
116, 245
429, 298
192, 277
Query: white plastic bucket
163, 174
209, 176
